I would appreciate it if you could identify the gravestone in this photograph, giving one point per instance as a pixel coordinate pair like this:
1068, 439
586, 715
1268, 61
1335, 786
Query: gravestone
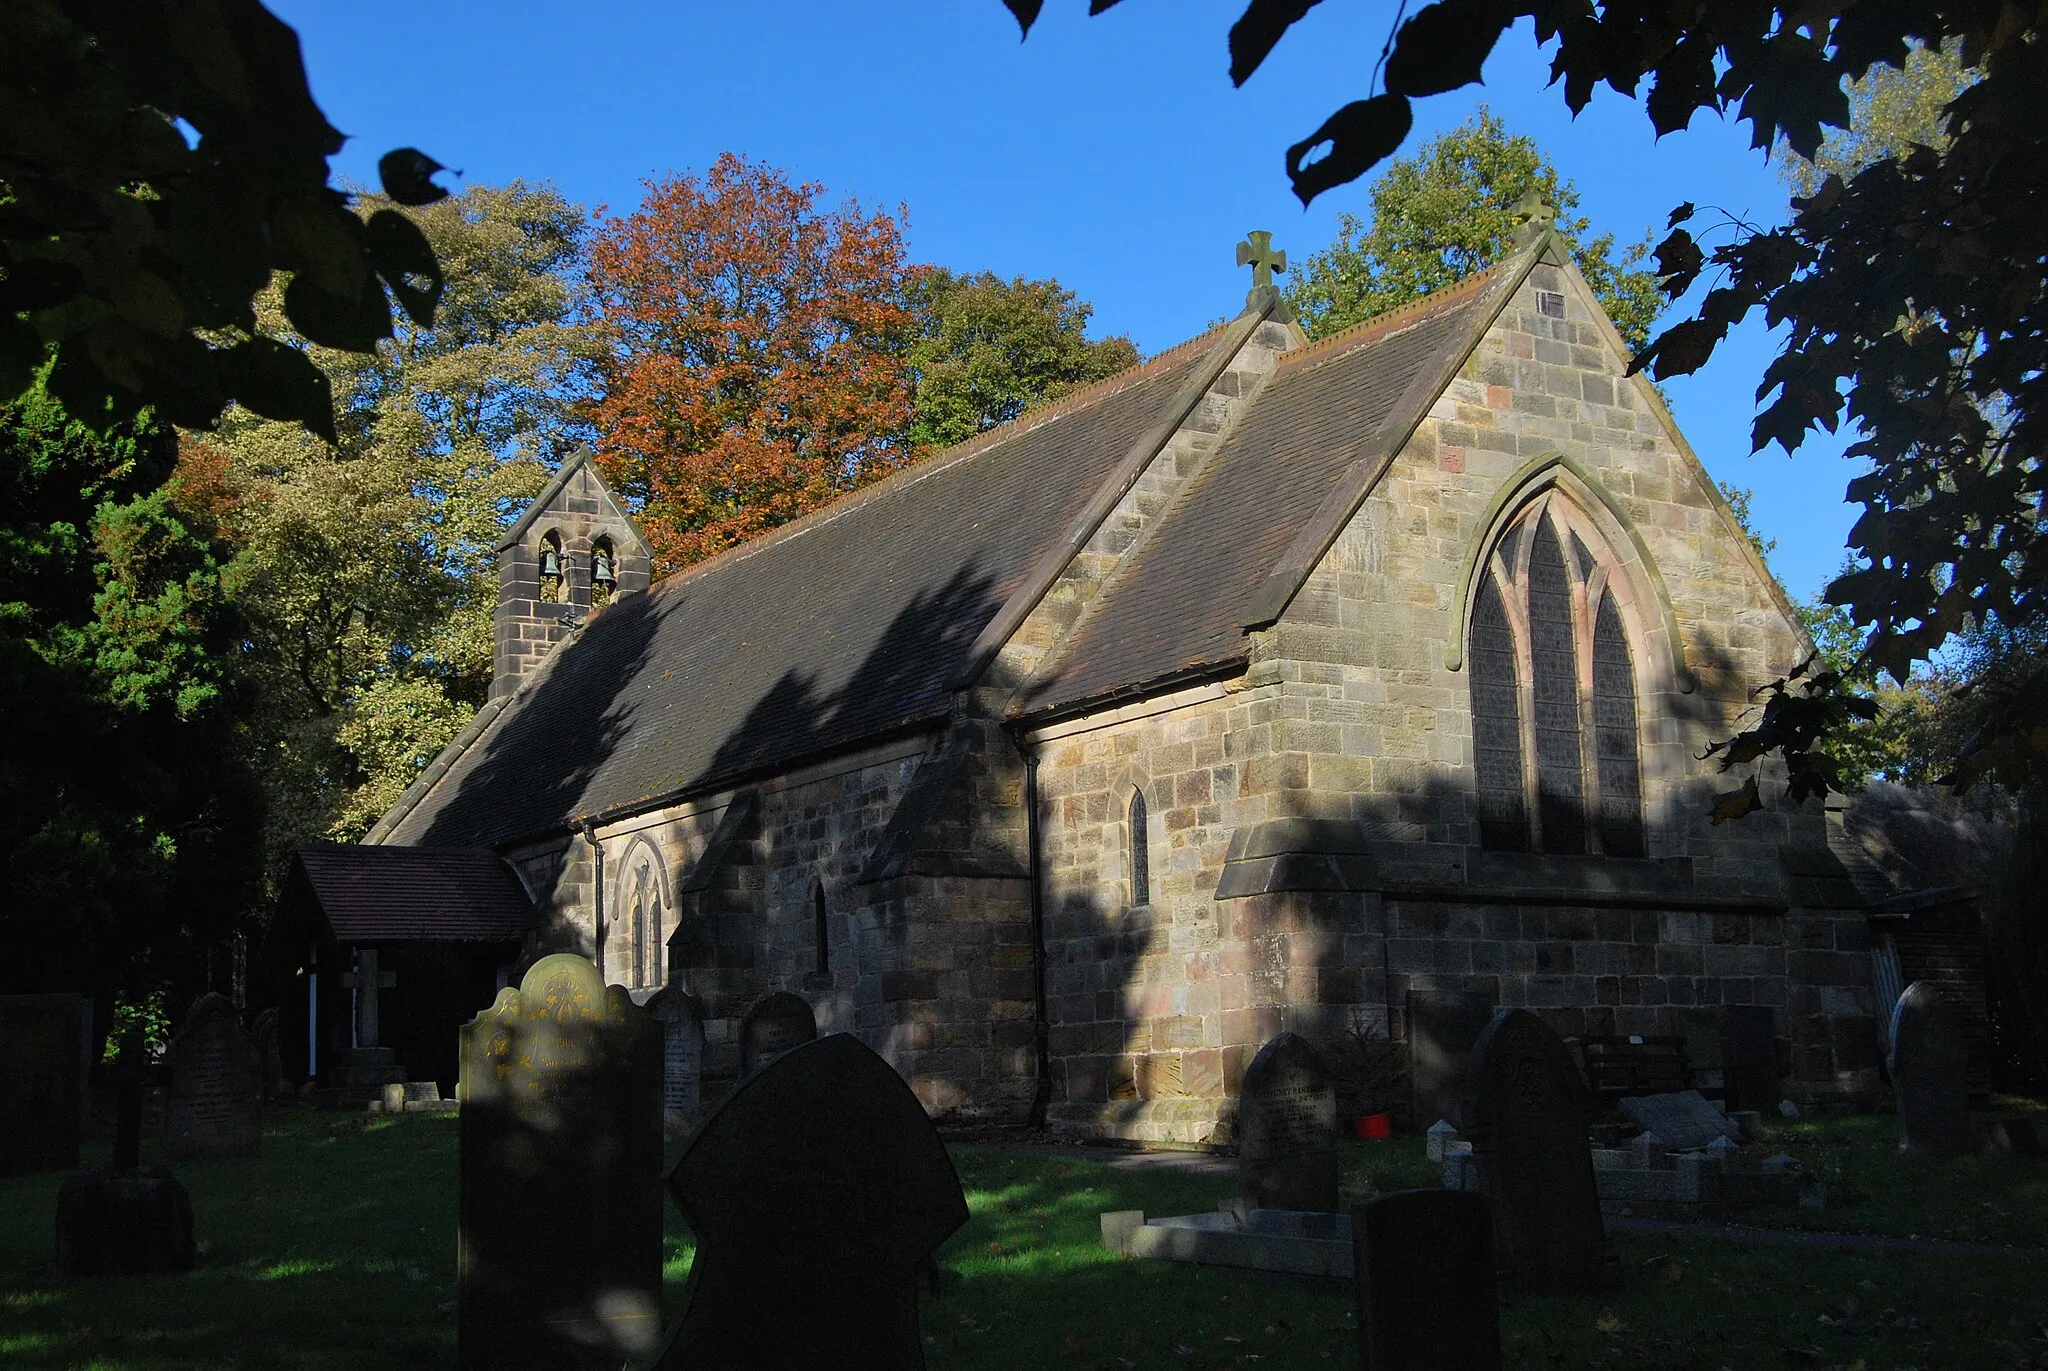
1442, 1026
1681, 1119
122, 1220
1423, 1272
817, 1192
1527, 1110
774, 1025
559, 1259
1287, 1129
681, 1016
1927, 1061
276, 1087
214, 1107
1749, 1058
45, 1046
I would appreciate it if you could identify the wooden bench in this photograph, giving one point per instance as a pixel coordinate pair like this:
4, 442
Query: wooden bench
1618, 1067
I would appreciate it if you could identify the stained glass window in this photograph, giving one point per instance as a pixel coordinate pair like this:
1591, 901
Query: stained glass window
1554, 747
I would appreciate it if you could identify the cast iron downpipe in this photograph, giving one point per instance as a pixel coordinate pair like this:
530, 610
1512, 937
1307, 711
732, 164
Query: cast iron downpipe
596, 891
1041, 1023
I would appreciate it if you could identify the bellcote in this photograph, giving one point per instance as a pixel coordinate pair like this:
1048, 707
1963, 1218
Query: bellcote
573, 552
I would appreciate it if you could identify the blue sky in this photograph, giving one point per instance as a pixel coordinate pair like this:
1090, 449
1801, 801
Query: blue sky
1111, 153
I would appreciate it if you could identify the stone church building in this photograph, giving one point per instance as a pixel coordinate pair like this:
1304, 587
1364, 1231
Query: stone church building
1266, 685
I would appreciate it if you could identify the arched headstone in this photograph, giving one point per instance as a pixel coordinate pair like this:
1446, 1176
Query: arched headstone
1423, 1270
1927, 1064
214, 1107
1287, 1129
559, 1262
1527, 1109
819, 1179
774, 1025
681, 1016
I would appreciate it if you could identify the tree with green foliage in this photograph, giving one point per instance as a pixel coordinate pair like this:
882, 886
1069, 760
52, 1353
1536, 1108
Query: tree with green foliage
371, 561
986, 348
1447, 212
1892, 110
125, 805
158, 162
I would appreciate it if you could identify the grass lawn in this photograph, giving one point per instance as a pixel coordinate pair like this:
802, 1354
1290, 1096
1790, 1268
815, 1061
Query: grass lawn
336, 1249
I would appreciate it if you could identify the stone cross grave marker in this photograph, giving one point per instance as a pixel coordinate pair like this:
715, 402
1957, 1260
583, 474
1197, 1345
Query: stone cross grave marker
1287, 1129
366, 981
773, 1025
559, 1260
1749, 1058
264, 1031
1442, 1026
214, 1107
1423, 1272
681, 1016
819, 1179
1681, 1119
1526, 1109
122, 1220
44, 1045
1927, 1061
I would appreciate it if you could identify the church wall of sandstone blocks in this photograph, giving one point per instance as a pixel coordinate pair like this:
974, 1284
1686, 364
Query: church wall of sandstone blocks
1270, 685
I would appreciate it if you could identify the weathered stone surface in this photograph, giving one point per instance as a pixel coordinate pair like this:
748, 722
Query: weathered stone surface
1749, 1058
817, 1190
43, 1060
1287, 1129
214, 1107
1927, 1063
774, 1025
1527, 1109
1426, 1299
559, 1262
1442, 1026
1681, 1119
264, 1032
681, 1017
121, 1222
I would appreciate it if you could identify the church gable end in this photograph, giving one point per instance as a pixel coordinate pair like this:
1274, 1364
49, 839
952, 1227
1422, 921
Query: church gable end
573, 552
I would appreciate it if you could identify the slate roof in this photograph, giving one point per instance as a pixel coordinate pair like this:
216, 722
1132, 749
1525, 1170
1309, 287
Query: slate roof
859, 621
408, 894
1182, 604
844, 626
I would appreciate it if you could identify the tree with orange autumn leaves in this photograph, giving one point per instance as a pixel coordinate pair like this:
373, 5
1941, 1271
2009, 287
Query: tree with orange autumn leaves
759, 362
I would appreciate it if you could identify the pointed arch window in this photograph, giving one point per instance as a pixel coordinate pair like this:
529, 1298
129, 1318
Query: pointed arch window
554, 583
1554, 744
646, 916
1141, 859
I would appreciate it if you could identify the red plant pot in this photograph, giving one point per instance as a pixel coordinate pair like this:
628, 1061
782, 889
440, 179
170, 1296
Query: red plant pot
1376, 1127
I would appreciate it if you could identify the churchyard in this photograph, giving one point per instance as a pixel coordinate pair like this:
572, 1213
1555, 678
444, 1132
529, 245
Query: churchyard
335, 1248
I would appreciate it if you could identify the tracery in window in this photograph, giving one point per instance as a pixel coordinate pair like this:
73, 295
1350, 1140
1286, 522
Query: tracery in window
644, 915
1141, 863
1553, 692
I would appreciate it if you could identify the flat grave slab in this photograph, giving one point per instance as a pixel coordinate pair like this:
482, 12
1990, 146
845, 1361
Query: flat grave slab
1682, 1119
1291, 1242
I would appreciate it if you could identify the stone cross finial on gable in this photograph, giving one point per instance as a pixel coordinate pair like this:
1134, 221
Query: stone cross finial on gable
1257, 253
1534, 217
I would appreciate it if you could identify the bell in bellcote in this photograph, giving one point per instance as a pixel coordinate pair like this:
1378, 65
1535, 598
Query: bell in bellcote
601, 569
550, 561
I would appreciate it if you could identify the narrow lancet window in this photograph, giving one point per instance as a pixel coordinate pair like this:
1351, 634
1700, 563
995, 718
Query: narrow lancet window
1141, 864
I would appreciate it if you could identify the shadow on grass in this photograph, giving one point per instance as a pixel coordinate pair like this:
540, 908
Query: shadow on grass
336, 1249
